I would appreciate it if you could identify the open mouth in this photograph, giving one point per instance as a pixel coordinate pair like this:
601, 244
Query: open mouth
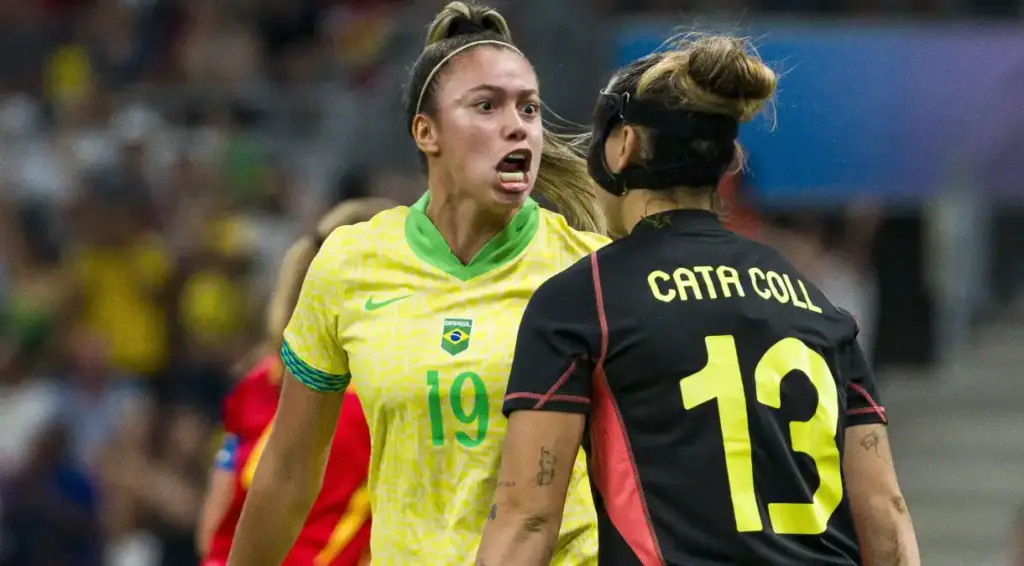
514, 169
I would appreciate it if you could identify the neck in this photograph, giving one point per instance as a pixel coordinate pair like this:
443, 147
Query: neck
640, 203
463, 224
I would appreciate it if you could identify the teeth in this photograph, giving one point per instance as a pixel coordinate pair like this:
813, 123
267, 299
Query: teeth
516, 157
512, 177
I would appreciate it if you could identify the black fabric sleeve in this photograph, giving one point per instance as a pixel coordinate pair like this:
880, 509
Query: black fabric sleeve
558, 344
863, 404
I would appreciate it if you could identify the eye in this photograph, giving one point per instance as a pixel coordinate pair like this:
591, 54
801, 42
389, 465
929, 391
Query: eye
485, 105
531, 108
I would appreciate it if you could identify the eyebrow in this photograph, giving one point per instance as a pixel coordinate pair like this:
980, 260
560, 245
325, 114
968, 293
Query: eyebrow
500, 90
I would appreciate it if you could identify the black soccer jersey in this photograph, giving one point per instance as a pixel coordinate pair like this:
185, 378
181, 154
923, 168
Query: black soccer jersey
717, 382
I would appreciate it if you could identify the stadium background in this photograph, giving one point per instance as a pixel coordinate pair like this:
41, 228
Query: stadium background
158, 156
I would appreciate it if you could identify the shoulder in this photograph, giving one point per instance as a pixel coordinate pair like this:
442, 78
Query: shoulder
838, 322
354, 245
576, 242
352, 239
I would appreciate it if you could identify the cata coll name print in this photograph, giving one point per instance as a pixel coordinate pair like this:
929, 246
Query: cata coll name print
704, 281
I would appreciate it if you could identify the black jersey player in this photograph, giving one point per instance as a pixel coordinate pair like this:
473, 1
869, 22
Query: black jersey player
728, 414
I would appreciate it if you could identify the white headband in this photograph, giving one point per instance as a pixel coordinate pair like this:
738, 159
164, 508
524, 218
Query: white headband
441, 63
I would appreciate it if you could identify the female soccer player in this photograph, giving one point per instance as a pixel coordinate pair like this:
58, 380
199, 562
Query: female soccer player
699, 362
337, 532
420, 305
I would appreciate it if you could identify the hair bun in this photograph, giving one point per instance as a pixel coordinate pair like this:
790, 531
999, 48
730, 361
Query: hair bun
464, 18
728, 68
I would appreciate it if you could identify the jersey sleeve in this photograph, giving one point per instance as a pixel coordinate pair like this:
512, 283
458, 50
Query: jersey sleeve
311, 351
558, 341
863, 404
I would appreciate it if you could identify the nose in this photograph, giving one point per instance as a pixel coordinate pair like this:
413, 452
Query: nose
514, 126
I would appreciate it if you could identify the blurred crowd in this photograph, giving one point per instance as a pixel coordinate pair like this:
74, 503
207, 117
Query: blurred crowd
156, 160
157, 157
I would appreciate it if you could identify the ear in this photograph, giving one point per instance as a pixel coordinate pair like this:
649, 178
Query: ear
627, 151
424, 133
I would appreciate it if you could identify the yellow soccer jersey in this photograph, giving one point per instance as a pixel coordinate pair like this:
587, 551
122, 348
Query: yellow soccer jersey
429, 342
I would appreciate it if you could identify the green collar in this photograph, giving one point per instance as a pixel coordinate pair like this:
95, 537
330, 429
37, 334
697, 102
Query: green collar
428, 244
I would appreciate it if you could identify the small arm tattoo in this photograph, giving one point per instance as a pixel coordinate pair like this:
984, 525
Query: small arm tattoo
494, 512
506, 484
546, 471
872, 441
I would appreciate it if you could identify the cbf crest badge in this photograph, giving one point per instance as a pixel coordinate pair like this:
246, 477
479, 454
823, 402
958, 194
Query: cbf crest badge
455, 335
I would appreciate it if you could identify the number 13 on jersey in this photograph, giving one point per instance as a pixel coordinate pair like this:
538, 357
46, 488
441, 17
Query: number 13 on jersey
722, 382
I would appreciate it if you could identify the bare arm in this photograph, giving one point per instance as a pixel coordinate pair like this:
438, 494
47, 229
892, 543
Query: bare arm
880, 514
215, 505
288, 477
536, 462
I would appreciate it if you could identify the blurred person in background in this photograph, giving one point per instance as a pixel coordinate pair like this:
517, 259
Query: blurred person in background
216, 52
209, 305
95, 402
152, 478
31, 311
29, 399
122, 471
475, 238
51, 509
38, 291
121, 271
834, 252
337, 531
174, 476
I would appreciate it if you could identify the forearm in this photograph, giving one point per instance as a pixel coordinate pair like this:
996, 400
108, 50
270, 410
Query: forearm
218, 498
886, 533
518, 539
274, 512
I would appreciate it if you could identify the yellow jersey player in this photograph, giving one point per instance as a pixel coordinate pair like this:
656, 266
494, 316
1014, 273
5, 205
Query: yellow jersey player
420, 308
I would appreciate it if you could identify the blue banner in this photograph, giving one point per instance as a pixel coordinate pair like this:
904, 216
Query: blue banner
892, 112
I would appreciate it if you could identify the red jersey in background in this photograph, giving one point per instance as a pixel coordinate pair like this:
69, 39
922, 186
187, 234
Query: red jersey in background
337, 531
740, 216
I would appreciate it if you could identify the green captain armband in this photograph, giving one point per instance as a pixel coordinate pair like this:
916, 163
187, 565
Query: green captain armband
311, 377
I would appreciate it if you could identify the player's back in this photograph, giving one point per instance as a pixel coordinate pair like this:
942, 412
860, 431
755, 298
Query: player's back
718, 419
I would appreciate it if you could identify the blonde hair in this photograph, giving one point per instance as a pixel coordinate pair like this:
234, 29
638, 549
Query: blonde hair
706, 73
563, 179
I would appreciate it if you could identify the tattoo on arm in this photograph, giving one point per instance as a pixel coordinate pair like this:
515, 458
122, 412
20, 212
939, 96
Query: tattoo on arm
494, 512
872, 440
506, 484
546, 471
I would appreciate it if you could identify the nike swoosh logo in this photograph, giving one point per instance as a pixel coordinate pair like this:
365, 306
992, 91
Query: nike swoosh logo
372, 306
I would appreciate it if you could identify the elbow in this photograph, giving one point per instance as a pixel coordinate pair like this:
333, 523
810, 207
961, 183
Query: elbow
530, 522
887, 511
893, 505
537, 523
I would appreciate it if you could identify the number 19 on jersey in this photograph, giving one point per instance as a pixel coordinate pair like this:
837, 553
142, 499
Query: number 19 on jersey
478, 416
